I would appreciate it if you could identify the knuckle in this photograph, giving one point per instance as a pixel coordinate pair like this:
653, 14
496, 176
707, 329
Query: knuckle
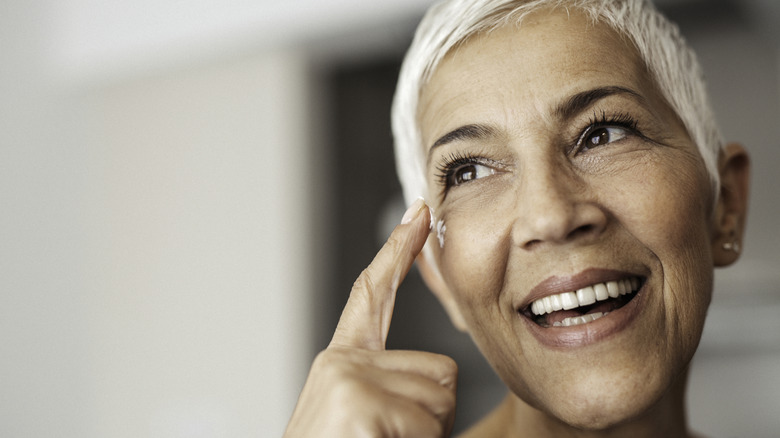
395, 243
347, 390
341, 375
448, 370
397, 249
364, 282
448, 403
442, 402
449, 365
333, 363
409, 421
326, 358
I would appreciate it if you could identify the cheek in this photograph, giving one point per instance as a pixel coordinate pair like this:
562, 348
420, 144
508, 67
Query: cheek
674, 217
664, 202
473, 262
672, 221
472, 255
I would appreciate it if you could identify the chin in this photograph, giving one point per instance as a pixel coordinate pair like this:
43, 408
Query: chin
602, 403
594, 414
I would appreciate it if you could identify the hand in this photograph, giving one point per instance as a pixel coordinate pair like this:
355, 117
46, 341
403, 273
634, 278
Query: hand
355, 387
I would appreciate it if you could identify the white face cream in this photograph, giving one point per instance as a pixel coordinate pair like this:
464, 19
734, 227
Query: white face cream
440, 230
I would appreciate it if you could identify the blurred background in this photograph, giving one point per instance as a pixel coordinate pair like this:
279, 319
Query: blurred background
189, 189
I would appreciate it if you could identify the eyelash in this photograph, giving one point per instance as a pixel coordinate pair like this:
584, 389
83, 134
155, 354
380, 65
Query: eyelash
622, 120
455, 160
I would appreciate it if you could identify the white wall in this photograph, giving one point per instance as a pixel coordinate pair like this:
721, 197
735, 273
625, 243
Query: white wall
90, 39
199, 219
42, 265
154, 269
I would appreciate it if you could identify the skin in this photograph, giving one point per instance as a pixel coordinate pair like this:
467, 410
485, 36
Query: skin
640, 205
542, 211
355, 387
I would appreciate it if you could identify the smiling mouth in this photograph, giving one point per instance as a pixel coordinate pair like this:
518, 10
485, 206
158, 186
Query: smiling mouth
583, 305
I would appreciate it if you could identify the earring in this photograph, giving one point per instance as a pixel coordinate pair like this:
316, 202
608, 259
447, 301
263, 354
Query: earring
731, 246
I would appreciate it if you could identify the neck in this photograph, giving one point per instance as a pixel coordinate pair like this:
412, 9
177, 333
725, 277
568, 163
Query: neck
514, 418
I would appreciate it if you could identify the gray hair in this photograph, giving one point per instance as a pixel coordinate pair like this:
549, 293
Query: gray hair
670, 61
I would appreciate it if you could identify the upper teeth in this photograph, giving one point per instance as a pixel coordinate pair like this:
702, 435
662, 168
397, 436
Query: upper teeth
585, 296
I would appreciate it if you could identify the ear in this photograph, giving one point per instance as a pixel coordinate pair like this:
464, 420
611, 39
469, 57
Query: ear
432, 277
731, 209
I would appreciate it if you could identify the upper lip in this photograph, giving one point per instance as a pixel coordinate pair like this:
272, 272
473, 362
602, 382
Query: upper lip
559, 284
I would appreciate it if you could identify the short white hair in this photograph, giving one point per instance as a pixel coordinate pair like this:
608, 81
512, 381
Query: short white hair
671, 63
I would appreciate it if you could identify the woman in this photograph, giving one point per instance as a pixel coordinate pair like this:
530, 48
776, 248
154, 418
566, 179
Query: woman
580, 196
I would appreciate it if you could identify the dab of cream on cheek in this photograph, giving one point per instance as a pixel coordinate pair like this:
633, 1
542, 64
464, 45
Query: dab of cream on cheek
441, 228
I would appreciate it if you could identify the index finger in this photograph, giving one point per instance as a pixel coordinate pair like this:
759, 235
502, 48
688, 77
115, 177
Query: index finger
365, 321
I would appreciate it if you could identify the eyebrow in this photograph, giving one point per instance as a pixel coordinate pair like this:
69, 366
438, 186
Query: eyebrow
579, 102
566, 110
466, 132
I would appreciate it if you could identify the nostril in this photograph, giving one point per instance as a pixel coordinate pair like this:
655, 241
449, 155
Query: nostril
581, 231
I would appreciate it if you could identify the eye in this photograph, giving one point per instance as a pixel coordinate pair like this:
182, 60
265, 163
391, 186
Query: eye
468, 172
604, 129
600, 135
460, 168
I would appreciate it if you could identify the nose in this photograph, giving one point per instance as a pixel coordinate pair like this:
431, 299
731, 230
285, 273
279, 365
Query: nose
556, 206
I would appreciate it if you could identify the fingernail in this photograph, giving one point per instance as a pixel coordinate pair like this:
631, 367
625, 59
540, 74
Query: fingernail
413, 211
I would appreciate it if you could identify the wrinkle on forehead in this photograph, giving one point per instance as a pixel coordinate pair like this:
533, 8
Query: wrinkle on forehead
464, 68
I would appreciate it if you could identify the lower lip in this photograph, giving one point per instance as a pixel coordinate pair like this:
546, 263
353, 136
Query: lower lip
590, 332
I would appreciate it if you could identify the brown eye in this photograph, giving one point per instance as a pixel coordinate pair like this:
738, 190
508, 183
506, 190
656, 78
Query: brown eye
469, 172
603, 135
466, 173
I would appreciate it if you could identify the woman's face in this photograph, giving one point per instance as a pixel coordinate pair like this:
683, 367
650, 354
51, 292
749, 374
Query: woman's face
555, 165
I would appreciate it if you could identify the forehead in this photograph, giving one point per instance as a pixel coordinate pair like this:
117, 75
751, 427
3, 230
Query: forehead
552, 54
